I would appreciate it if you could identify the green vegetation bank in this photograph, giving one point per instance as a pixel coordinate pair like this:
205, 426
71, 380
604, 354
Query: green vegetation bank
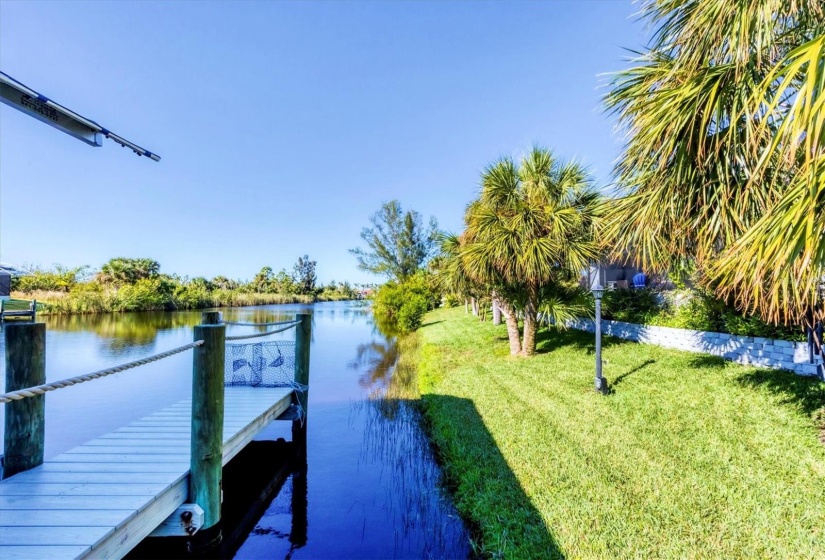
690, 456
124, 284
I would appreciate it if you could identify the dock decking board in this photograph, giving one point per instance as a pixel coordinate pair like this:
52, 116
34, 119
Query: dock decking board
85, 489
57, 518
43, 552
102, 498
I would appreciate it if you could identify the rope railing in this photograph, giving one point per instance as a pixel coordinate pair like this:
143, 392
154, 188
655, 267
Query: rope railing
242, 324
24, 440
267, 333
46, 387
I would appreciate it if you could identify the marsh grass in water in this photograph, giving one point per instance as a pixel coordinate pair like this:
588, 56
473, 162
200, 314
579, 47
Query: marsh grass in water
691, 456
394, 438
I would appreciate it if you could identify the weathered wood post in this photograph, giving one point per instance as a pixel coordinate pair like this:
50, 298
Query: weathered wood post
298, 503
25, 419
211, 318
303, 338
206, 459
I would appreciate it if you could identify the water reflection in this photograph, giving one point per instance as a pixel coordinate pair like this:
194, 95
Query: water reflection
372, 488
368, 486
376, 359
123, 333
422, 518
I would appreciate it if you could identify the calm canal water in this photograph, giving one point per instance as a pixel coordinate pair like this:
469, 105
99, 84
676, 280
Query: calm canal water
372, 485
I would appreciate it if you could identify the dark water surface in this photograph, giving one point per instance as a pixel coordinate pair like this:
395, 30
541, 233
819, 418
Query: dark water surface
371, 485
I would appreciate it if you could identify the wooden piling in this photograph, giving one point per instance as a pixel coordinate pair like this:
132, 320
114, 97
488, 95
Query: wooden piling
25, 419
303, 338
206, 460
298, 502
211, 318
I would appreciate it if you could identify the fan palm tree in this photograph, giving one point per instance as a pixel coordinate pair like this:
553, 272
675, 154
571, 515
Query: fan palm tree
531, 226
120, 271
452, 274
725, 155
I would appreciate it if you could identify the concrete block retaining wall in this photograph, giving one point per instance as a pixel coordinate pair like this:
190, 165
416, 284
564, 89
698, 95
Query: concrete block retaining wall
749, 350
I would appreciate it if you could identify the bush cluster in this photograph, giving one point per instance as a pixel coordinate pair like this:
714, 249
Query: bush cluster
403, 304
631, 306
58, 279
689, 310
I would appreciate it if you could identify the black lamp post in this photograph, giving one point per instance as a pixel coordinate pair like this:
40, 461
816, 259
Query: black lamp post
601, 382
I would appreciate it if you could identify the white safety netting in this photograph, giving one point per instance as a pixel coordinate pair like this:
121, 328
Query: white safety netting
260, 364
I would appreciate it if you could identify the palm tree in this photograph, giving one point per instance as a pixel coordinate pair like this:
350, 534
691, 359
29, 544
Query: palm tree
531, 227
451, 271
725, 155
120, 271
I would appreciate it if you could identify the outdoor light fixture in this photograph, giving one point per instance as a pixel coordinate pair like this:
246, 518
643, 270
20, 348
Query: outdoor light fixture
601, 382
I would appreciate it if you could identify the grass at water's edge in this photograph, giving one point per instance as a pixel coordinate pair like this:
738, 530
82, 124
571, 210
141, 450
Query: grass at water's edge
690, 457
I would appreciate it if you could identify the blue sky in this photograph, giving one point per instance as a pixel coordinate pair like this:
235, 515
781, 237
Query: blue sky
284, 126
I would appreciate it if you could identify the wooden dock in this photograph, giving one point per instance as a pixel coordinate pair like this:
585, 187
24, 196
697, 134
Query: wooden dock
17, 309
100, 499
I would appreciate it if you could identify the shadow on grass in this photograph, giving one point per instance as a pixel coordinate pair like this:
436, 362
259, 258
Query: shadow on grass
627, 374
487, 494
807, 392
706, 361
427, 324
550, 339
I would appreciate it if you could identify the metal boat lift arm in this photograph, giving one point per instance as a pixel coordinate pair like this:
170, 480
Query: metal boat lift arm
25, 99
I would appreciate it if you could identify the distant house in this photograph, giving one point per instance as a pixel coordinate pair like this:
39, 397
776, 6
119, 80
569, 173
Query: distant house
610, 275
614, 275
6, 273
5, 284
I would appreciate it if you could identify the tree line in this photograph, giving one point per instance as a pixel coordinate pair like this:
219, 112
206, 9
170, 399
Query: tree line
132, 284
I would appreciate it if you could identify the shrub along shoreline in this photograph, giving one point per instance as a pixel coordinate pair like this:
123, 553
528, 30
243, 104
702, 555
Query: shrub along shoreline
690, 456
126, 284
62, 303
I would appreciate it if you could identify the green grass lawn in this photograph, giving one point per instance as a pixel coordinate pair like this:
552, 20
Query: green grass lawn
690, 457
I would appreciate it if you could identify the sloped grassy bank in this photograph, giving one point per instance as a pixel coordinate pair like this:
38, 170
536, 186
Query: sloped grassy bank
690, 457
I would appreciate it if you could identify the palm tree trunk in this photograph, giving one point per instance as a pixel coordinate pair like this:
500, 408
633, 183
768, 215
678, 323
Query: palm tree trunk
474, 303
512, 327
530, 321
496, 310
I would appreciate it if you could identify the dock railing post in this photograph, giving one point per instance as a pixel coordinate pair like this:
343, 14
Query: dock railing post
25, 429
211, 318
303, 338
206, 459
